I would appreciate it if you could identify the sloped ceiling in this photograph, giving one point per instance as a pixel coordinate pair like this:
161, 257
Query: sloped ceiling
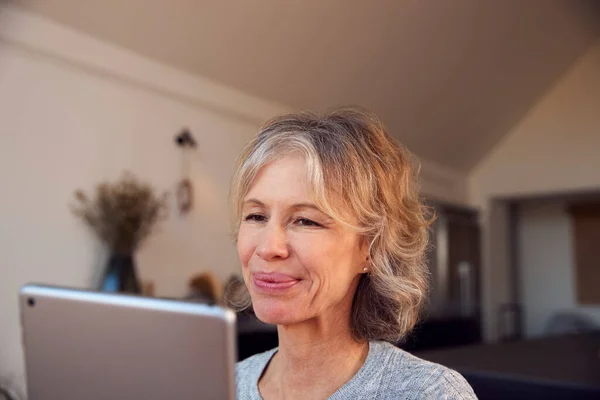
449, 78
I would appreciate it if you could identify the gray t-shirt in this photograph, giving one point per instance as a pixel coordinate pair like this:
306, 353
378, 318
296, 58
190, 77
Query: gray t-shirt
388, 373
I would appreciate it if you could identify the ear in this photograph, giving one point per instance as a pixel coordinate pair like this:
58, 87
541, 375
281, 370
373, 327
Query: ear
364, 251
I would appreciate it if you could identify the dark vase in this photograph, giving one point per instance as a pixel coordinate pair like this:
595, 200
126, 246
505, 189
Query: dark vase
120, 275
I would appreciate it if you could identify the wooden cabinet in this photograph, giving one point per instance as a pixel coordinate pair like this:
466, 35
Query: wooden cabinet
586, 250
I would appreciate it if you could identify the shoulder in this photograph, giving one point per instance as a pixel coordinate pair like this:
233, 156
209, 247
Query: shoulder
412, 377
248, 371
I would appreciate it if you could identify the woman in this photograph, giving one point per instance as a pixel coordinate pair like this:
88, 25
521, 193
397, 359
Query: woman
331, 236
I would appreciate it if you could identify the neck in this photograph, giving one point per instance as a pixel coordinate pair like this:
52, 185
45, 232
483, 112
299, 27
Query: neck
315, 358
316, 339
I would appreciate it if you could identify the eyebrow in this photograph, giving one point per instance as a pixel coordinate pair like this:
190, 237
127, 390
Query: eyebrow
294, 206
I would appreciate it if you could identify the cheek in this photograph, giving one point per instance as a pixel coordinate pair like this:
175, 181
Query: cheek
333, 263
323, 262
245, 247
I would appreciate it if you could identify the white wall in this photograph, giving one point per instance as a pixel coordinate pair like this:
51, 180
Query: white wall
75, 111
555, 148
546, 263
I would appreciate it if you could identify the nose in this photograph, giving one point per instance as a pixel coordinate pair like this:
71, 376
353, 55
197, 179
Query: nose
272, 243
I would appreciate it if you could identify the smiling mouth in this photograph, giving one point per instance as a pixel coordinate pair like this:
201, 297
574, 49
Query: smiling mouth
272, 282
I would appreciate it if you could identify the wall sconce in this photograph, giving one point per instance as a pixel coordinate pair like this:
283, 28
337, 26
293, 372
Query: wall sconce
185, 139
184, 192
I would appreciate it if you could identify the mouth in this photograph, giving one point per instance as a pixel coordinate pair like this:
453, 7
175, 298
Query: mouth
273, 282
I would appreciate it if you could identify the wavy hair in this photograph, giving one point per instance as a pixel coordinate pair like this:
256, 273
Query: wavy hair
355, 167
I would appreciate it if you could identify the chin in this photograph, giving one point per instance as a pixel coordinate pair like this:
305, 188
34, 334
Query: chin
275, 312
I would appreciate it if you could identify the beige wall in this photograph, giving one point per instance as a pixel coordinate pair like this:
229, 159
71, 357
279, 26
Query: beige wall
74, 111
555, 148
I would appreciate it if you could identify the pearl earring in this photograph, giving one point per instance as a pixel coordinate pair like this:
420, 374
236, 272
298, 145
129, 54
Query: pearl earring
365, 269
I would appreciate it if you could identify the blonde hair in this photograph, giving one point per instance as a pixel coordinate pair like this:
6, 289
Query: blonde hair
354, 166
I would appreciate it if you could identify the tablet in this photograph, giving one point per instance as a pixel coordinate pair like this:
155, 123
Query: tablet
90, 345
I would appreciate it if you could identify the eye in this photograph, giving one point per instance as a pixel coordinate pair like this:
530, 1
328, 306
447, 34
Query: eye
306, 222
255, 218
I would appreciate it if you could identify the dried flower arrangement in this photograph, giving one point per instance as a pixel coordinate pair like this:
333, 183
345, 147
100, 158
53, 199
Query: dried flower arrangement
122, 214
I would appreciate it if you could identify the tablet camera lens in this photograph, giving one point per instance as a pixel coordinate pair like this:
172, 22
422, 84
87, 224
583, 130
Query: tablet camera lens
31, 301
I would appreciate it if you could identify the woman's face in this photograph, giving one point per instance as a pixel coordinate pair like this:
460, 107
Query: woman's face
297, 262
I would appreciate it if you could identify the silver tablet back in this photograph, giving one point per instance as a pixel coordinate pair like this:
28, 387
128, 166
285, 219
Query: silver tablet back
88, 345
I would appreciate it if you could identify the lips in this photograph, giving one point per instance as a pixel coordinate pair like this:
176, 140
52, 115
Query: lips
273, 282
